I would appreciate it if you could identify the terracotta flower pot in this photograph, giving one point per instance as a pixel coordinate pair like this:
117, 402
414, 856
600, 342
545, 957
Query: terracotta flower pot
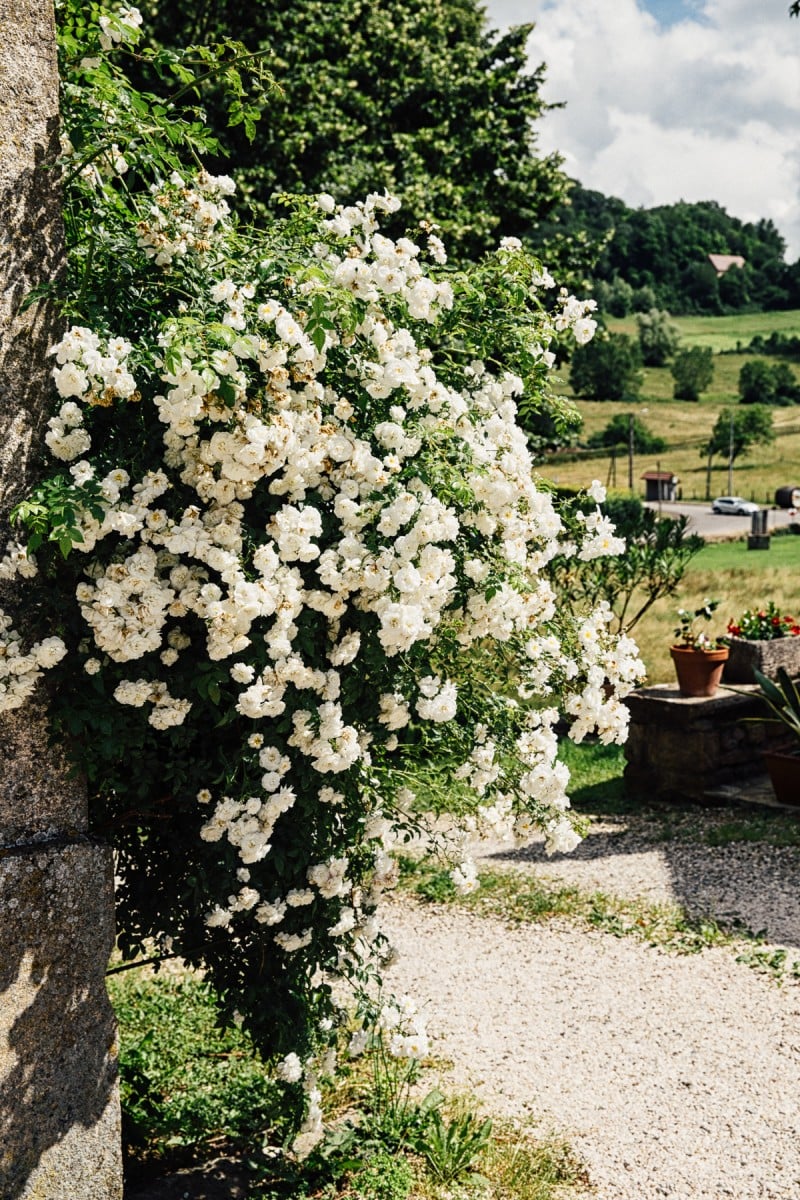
699, 671
784, 774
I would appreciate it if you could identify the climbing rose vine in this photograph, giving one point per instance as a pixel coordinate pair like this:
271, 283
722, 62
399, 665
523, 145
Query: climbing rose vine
291, 553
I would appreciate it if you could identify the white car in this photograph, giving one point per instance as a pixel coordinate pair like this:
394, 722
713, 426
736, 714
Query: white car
734, 506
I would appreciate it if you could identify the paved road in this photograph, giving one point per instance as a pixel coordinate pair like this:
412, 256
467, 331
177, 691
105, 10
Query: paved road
711, 525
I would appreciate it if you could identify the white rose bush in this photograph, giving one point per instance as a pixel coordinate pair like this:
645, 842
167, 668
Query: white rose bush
289, 547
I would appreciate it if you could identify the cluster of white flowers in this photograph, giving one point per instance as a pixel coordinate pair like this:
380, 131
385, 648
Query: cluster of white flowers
356, 532
17, 563
312, 1130
21, 670
94, 371
183, 217
122, 26
405, 1027
297, 544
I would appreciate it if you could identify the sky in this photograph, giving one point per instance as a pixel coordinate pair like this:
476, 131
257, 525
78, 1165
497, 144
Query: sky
671, 100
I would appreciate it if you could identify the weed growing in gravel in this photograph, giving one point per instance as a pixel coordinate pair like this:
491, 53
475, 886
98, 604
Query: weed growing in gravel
775, 829
776, 963
513, 897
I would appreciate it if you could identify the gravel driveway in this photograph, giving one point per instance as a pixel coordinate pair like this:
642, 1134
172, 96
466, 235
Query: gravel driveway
672, 1076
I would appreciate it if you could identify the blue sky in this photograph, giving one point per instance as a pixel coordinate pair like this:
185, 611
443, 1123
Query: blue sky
668, 12
673, 99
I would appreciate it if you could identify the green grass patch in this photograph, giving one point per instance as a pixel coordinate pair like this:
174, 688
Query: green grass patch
522, 1166
518, 899
727, 571
596, 782
192, 1090
186, 1083
772, 828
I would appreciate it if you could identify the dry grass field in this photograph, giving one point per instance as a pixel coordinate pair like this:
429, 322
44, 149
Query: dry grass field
686, 425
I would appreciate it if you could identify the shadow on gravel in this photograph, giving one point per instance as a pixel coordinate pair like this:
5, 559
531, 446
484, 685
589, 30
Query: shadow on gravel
750, 883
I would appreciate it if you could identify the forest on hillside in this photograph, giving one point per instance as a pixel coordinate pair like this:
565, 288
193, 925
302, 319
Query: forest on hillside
658, 257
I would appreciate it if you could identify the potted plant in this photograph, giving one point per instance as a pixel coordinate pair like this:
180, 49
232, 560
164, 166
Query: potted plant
698, 658
762, 639
782, 697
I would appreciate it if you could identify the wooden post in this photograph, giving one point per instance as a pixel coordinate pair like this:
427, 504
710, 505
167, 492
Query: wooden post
59, 1109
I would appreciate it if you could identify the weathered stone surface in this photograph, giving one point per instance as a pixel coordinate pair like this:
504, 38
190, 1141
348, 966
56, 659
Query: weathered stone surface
31, 234
38, 796
59, 1112
746, 655
682, 748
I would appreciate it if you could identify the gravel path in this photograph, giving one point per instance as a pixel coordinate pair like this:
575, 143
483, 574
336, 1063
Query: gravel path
672, 1076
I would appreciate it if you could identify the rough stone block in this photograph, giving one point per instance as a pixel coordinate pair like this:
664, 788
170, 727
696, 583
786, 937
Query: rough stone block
39, 798
59, 1109
745, 655
686, 748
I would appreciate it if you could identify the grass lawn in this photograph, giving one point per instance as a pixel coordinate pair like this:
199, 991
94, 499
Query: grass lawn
685, 425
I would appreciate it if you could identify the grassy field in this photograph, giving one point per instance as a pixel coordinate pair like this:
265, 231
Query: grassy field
686, 426
727, 571
722, 333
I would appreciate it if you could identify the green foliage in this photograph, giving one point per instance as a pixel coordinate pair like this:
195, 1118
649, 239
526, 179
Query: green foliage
666, 249
786, 345
782, 697
421, 99
658, 337
658, 551
692, 369
738, 430
687, 633
251, 403
383, 1176
621, 429
761, 382
453, 1146
186, 1079
607, 368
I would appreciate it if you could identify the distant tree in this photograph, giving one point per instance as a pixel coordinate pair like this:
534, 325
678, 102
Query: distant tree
607, 368
658, 337
618, 433
737, 430
644, 298
761, 382
700, 287
787, 390
692, 370
614, 298
666, 249
734, 287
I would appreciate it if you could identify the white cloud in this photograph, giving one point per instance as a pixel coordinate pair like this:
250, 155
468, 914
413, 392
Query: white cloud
707, 109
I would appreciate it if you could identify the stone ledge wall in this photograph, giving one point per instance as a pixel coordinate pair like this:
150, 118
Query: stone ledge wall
689, 749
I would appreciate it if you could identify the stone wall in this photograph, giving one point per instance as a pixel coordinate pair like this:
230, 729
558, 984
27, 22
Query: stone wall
682, 748
59, 1110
